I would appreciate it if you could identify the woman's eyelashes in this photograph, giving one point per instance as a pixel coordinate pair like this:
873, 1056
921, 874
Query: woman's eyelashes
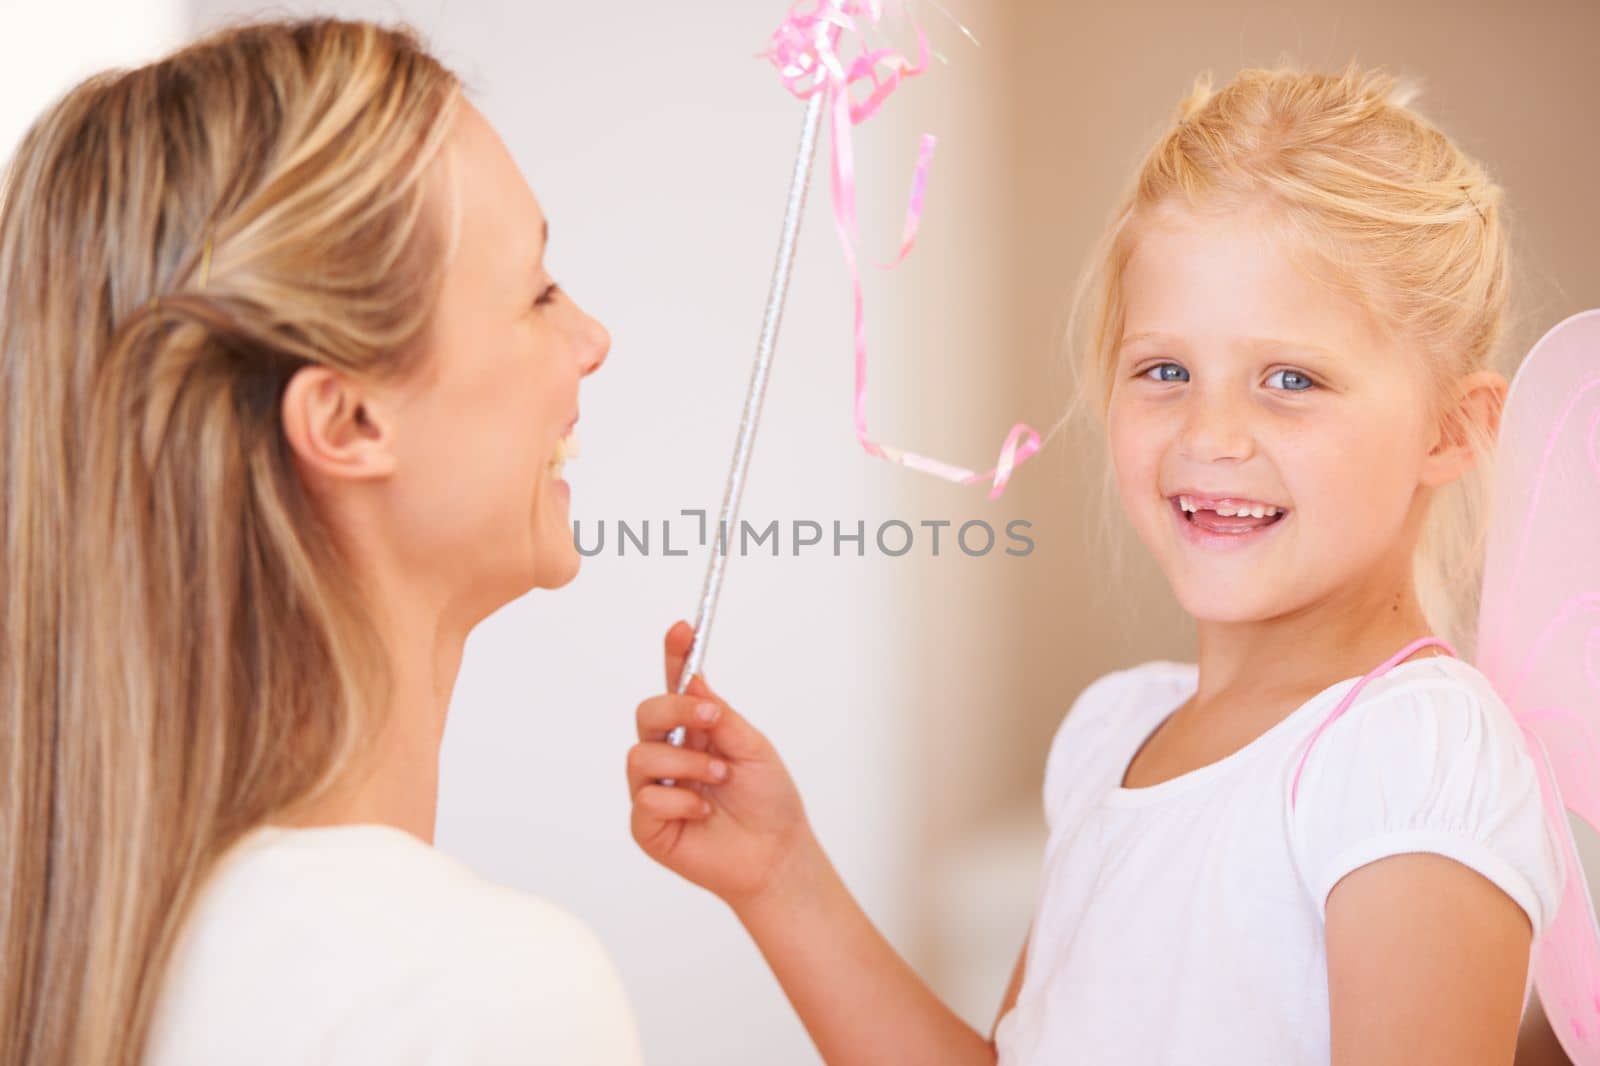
547, 296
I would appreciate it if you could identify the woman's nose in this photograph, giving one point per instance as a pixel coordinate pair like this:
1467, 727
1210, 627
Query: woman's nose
594, 344
1216, 429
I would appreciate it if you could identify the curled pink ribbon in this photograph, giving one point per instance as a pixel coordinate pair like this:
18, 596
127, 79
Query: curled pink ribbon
806, 51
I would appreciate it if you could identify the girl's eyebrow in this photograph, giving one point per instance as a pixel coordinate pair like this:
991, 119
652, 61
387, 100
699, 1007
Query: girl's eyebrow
1146, 335
1264, 344
1268, 344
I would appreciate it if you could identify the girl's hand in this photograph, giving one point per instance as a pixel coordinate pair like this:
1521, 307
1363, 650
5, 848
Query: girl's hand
742, 833
734, 823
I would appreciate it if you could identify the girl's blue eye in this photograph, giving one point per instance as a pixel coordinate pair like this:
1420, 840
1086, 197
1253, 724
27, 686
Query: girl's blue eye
1291, 381
1167, 372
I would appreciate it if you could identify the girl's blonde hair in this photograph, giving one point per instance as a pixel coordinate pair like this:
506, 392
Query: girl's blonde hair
184, 656
1385, 208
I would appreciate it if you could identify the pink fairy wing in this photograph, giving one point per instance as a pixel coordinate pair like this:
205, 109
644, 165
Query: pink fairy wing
1539, 634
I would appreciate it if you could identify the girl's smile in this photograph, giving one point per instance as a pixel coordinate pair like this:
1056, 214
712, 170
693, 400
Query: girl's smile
1224, 522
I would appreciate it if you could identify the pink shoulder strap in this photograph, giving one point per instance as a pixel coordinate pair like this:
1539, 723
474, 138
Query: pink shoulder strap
1355, 690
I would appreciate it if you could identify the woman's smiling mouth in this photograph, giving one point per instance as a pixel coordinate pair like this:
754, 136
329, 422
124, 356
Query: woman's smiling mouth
566, 448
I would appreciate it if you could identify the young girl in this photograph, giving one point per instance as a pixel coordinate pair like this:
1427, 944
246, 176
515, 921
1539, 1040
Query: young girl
1323, 843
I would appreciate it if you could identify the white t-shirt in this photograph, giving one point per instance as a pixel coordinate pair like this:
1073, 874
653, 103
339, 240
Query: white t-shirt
361, 944
1182, 924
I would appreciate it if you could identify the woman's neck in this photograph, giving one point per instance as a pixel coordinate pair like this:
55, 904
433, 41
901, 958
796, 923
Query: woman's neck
396, 781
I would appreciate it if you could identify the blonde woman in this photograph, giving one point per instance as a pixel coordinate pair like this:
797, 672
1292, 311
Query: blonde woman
286, 390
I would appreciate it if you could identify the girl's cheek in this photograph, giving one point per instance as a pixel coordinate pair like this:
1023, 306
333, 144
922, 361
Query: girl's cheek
1136, 442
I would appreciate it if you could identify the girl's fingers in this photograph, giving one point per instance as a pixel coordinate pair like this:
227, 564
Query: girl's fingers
660, 803
660, 715
699, 687
679, 639
724, 728
649, 763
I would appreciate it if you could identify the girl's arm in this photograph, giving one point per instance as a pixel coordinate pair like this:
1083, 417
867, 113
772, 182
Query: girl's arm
858, 998
1536, 1042
1427, 962
735, 826
1013, 990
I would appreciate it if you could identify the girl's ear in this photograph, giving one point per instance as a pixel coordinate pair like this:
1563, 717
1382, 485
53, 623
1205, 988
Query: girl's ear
1469, 421
334, 428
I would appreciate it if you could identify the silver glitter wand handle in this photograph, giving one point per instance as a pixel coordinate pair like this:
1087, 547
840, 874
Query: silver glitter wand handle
750, 420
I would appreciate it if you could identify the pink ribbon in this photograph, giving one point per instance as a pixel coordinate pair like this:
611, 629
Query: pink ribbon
806, 51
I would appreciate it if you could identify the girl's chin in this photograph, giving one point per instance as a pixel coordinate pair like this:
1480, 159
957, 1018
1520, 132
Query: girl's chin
1208, 609
1233, 619
1222, 605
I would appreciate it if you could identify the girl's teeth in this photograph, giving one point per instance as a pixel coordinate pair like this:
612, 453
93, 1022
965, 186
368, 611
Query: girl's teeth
1257, 510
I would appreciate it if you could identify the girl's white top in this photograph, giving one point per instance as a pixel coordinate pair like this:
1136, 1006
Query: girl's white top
1183, 923
362, 944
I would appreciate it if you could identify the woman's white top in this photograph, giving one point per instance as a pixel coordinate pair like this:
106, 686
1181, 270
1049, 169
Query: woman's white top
362, 944
1183, 923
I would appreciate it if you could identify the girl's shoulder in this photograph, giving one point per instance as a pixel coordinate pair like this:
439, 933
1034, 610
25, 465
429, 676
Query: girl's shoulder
1428, 758
1419, 702
1109, 710
1153, 687
367, 939
1437, 674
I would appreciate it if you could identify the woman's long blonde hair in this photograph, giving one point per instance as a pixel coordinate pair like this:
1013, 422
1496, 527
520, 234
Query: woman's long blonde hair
1385, 208
184, 656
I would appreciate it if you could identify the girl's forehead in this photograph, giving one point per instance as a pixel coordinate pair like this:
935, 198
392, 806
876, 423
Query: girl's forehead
1235, 275
1229, 248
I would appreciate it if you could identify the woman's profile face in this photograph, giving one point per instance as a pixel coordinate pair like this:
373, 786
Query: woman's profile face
487, 416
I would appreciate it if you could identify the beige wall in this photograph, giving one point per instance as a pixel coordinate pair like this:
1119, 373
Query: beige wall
1085, 89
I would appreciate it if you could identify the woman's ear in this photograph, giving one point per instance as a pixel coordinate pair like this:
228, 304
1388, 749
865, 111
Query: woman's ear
1473, 417
334, 428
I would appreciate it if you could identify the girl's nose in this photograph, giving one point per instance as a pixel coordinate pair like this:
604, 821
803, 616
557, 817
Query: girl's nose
1215, 430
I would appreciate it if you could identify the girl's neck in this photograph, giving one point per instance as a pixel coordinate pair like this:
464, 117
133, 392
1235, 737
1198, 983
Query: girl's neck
1304, 651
